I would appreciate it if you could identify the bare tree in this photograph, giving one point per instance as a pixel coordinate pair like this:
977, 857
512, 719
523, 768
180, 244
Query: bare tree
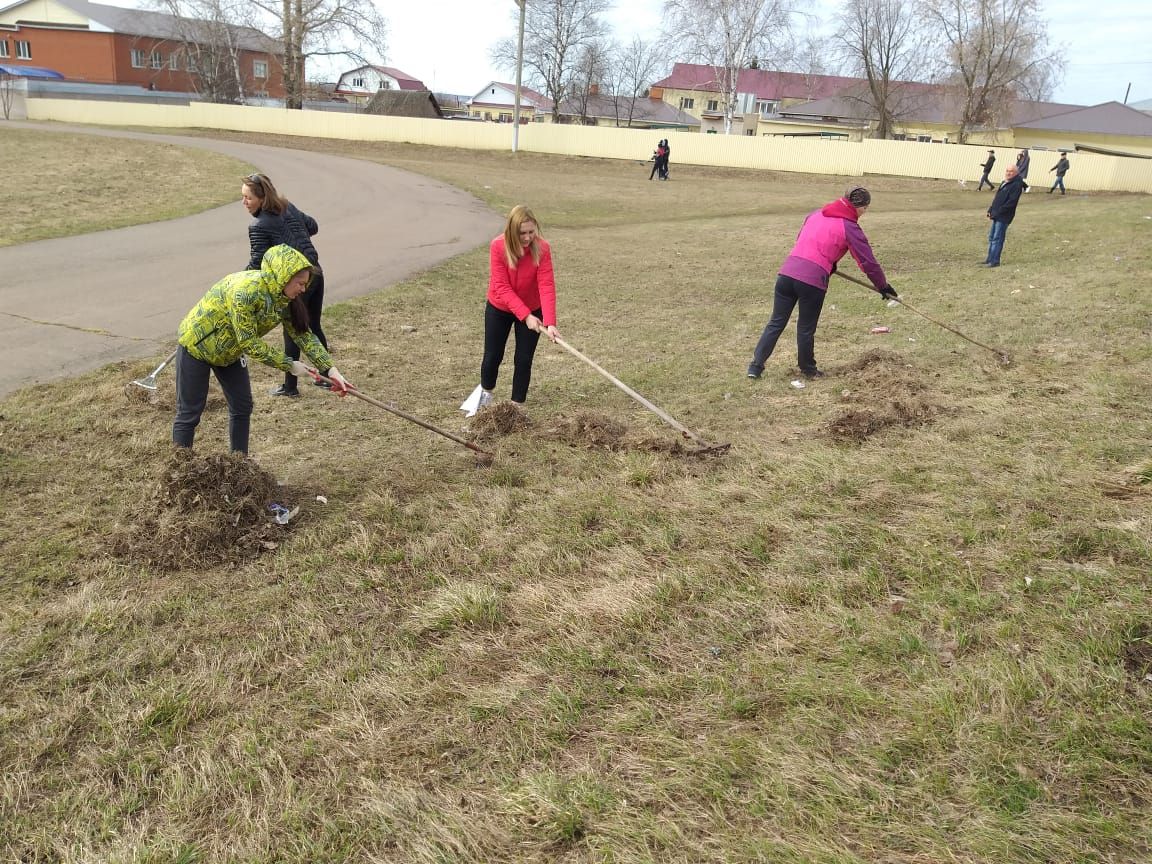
209, 34
631, 70
997, 51
588, 77
322, 28
885, 43
555, 32
729, 36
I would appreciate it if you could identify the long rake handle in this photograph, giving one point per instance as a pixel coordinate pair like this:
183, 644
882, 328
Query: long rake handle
1002, 355
352, 391
659, 412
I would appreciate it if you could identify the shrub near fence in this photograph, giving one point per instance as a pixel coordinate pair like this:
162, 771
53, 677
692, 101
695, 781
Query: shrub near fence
1090, 172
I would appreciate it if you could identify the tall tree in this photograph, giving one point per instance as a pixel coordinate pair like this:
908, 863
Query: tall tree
556, 32
997, 51
210, 34
631, 69
730, 36
322, 28
886, 43
589, 77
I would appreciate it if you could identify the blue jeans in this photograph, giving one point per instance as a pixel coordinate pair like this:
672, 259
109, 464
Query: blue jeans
192, 396
996, 235
1059, 182
789, 294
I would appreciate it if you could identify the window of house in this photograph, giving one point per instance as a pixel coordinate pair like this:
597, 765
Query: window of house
686, 103
749, 131
357, 82
924, 139
23, 49
138, 59
260, 68
505, 118
713, 104
174, 62
766, 107
3, 47
899, 136
157, 60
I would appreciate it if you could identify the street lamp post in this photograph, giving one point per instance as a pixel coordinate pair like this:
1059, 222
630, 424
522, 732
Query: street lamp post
519, 75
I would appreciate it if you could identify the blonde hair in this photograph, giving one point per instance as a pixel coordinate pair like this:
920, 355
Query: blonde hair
512, 248
260, 186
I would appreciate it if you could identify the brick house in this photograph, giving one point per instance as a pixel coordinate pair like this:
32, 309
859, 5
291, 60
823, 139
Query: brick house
110, 45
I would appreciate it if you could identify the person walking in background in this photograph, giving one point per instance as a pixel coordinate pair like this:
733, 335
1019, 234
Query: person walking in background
987, 168
1002, 211
1022, 163
1061, 168
825, 237
658, 157
228, 323
277, 220
521, 296
667, 159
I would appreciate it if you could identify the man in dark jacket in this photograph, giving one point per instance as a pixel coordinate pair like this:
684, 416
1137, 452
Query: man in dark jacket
987, 166
1002, 212
1061, 168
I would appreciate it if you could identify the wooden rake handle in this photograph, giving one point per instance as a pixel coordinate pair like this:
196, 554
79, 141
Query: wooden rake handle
391, 409
659, 412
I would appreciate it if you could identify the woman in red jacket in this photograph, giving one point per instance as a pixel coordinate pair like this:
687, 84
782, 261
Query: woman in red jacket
521, 295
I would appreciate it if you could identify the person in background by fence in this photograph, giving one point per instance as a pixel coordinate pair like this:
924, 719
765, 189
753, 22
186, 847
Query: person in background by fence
1061, 168
825, 237
658, 157
987, 168
667, 159
1022, 163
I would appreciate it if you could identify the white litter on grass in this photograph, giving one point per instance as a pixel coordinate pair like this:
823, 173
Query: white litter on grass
892, 304
798, 384
472, 404
1015, 290
321, 499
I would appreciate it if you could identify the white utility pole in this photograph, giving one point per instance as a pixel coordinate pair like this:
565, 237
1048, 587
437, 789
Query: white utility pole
519, 75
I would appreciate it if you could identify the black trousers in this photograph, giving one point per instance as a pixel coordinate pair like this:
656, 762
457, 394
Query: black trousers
192, 395
497, 325
789, 294
314, 302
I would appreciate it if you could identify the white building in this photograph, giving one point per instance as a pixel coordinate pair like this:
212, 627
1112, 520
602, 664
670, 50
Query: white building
361, 84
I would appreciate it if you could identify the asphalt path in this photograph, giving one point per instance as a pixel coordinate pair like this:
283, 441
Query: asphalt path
74, 304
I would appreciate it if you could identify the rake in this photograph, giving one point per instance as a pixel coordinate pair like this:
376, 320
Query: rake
1002, 356
705, 447
149, 381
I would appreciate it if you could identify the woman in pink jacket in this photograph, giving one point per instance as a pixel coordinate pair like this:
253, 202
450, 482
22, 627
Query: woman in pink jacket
521, 295
803, 278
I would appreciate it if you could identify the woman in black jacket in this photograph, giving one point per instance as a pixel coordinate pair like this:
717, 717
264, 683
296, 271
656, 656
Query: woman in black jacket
277, 220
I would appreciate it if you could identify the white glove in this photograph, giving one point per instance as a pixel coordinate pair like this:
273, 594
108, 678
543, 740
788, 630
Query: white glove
339, 382
300, 370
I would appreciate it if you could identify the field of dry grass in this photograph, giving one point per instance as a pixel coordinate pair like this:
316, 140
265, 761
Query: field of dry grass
58, 184
905, 619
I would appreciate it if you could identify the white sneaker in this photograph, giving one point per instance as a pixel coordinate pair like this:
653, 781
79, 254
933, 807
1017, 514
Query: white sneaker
485, 399
476, 400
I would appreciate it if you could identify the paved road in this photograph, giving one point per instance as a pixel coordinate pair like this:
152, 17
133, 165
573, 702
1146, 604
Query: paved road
378, 226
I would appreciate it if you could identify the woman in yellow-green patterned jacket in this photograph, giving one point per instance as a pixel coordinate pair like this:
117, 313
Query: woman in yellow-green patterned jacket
228, 323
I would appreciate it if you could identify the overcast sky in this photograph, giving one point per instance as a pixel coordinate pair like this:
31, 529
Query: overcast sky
446, 43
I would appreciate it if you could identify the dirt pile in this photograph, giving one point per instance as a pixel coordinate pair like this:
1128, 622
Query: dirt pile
589, 429
880, 390
496, 421
203, 510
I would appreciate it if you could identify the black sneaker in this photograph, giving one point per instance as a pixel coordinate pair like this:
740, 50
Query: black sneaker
290, 392
755, 371
812, 374
326, 385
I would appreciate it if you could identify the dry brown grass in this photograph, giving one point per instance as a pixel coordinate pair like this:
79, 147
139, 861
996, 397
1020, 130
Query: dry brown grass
928, 646
58, 184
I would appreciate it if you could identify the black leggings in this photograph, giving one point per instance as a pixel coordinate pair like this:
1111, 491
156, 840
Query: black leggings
790, 293
497, 325
192, 395
314, 301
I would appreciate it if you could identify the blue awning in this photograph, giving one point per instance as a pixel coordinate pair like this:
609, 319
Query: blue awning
31, 72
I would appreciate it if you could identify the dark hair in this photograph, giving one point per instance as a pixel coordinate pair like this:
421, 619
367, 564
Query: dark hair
262, 188
858, 197
298, 311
